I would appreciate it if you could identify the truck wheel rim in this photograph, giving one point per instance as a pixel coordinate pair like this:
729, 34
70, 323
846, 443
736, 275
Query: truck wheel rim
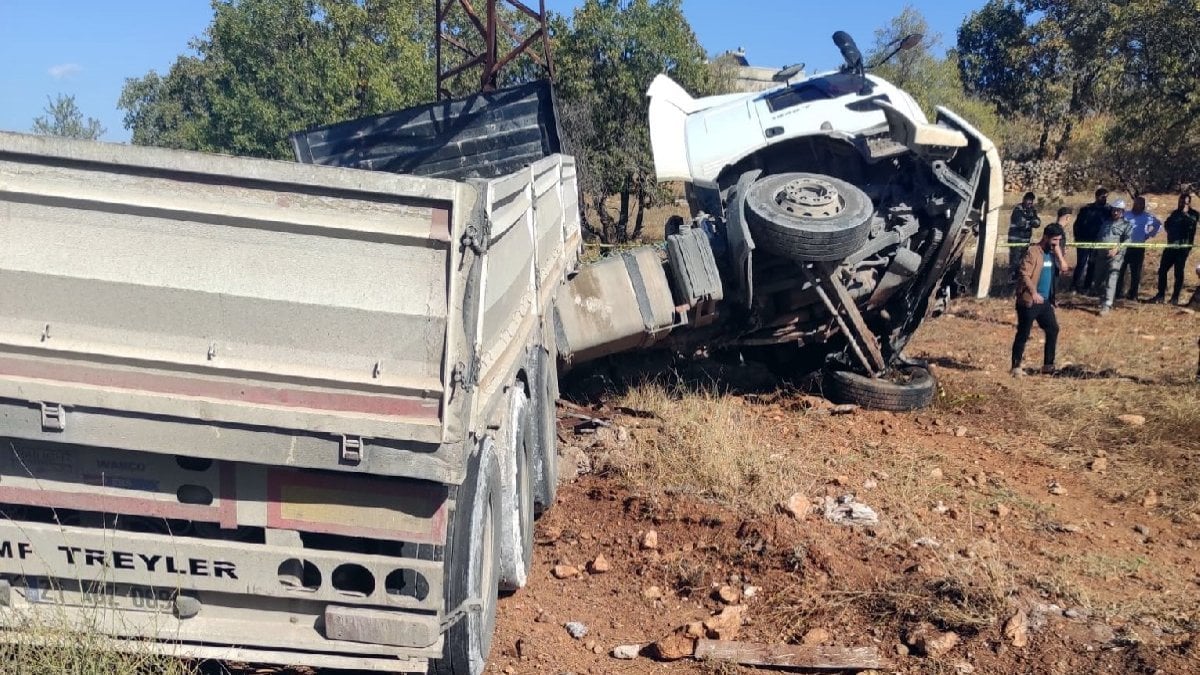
810, 198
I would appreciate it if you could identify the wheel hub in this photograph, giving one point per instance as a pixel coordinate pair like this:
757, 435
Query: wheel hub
810, 198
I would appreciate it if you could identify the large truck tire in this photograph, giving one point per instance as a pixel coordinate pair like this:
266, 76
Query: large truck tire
808, 217
472, 566
905, 388
516, 550
545, 437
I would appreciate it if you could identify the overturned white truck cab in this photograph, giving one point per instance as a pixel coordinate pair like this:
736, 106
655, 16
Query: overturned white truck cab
829, 217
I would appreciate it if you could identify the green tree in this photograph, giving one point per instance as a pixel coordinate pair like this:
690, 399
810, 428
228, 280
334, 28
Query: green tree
63, 118
606, 61
933, 81
265, 68
1050, 61
1154, 138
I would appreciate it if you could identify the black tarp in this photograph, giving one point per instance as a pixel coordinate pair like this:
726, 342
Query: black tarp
484, 135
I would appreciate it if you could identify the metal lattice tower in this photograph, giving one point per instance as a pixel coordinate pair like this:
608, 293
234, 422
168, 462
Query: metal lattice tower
489, 27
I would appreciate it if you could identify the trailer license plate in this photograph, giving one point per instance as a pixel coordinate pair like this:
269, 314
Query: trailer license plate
125, 597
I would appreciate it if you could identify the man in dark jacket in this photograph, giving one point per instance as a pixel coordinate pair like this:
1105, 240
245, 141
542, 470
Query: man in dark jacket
1088, 225
1021, 224
1181, 231
1035, 297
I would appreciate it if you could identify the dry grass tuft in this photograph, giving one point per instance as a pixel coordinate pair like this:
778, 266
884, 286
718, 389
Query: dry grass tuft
43, 646
712, 445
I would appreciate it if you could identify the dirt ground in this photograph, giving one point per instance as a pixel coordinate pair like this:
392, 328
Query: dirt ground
1028, 504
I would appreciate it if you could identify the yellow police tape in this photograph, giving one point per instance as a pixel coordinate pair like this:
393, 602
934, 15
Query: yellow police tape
1072, 244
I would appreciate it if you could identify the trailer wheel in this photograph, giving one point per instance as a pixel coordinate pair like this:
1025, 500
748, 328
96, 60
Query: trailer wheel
808, 216
905, 388
472, 566
516, 551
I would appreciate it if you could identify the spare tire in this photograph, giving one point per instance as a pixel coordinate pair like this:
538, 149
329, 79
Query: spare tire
903, 388
808, 217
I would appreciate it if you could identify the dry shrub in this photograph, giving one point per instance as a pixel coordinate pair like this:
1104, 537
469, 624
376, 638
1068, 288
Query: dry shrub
711, 445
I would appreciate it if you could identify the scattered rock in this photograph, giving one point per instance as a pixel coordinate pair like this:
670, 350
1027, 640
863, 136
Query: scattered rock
695, 630
927, 542
870, 484
576, 630
1076, 613
1056, 488
843, 409
1016, 630
652, 593
941, 508
729, 595
626, 652
796, 506
841, 481
1142, 530
1132, 420
749, 592
960, 432
929, 641
816, 636
674, 647
936, 473
1001, 511
1099, 465
600, 565
964, 668
1101, 632
543, 617
564, 571
650, 541
1150, 500
509, 670
1041, 614
727, 624
845, 511
572, 463
597, 650
901, 649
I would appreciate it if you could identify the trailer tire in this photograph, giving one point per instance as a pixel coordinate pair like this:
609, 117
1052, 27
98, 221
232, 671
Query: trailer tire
471, 559
516, 551
808, 217
545, 436
908, 388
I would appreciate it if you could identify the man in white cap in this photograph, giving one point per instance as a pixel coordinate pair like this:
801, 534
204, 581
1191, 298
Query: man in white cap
1117, 232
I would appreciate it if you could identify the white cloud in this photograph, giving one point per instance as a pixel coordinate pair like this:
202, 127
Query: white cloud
64, 70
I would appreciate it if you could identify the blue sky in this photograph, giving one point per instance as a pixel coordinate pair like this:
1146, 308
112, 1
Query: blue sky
89, 47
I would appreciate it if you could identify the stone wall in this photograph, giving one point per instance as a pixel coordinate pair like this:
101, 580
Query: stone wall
1046, 176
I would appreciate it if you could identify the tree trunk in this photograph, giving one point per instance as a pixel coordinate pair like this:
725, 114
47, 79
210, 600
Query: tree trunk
1044, 140
623, 216
607, 225
1064, 139
640, 222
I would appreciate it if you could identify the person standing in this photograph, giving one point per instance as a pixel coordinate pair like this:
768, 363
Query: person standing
1021, 224
1181, 231
1116, 233
1035, 297
1088, 226
1144, 226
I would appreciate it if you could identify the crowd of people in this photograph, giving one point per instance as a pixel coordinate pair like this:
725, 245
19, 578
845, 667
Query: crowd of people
1110, 243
